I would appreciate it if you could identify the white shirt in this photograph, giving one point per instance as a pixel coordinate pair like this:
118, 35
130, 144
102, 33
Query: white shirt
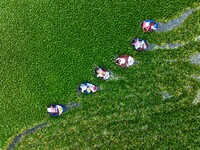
130, 61
140, 45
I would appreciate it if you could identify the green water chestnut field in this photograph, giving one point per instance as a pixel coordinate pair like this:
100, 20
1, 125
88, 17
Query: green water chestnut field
49, 47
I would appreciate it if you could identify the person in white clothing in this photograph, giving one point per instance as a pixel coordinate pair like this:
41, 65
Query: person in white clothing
87, 88
139, 44
102, 73
56, 110
125, 61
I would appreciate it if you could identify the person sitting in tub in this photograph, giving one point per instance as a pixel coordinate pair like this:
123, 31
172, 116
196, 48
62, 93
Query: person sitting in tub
102, 73
87, 88
139, 44
124, 61
56, 110
149, 25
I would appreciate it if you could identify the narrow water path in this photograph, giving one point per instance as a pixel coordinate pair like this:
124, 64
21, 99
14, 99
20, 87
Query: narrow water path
170, 25
31, 130
165, 46
171, 46
35, 128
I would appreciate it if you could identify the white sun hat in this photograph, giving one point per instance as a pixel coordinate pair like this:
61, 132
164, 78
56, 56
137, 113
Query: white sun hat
49, 110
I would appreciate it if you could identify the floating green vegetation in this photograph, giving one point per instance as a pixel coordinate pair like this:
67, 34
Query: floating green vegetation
48, 48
